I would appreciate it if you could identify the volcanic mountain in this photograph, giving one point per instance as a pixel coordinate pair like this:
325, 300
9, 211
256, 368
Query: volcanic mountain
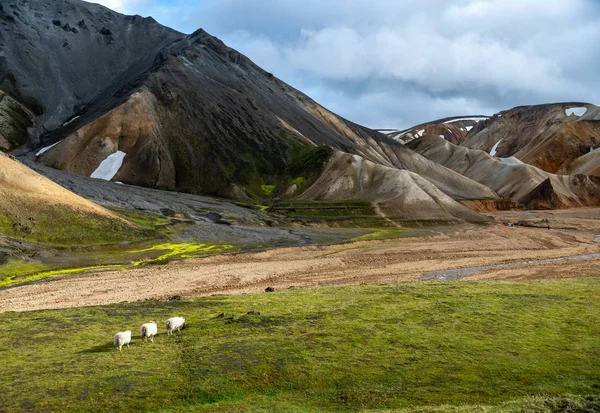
125, 99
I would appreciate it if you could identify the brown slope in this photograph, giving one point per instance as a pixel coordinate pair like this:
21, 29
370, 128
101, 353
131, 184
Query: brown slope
134, 128
512, 178
550, 193
35, 208
588, 164
400, 194
542, 136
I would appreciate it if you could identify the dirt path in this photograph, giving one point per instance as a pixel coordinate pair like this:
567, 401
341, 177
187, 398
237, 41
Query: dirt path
382, 261
379, 212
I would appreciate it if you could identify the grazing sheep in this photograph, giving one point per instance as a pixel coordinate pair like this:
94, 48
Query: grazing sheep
174, 323
148, 331
122, 338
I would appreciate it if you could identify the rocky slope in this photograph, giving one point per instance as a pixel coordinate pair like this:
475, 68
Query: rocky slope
511, 178
57, 57
399, 194
15, 121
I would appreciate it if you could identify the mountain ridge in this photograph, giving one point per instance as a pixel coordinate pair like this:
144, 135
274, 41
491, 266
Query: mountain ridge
197, 116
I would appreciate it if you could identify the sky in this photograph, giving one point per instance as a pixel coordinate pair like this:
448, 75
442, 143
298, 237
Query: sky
398, 63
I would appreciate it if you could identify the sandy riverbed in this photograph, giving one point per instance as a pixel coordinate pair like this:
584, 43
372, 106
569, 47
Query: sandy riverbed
377, 261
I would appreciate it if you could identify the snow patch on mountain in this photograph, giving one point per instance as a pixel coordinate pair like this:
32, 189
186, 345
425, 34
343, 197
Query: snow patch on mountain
580, 111
71, 120
494, 150
47, 148
109, 167
475, 118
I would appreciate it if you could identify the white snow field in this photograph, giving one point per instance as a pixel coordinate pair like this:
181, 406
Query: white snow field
109, 167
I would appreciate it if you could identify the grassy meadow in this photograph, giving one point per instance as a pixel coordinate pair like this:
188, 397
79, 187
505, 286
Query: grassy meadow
444, 347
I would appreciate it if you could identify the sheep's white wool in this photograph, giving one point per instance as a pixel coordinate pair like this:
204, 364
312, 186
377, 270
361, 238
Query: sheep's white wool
174, 323
122, 338
149, 330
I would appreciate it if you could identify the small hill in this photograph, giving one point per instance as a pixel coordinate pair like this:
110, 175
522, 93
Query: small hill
400, 195
34, 208
511, 178
454, 129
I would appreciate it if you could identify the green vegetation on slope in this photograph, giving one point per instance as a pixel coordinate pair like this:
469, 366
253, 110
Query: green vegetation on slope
354, 213
16, 272
317, 349
60, 225
155, 248
303, 164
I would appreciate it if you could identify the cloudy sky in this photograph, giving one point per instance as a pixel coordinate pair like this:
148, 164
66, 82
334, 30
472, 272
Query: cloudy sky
396, 63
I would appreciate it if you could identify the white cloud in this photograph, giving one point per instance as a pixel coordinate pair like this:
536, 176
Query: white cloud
399, 61
126, 6
117, 5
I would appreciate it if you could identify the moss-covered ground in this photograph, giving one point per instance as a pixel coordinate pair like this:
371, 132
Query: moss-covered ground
154, 244
446, 347
16, 272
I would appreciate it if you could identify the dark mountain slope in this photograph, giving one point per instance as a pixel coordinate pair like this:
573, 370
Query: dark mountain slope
56, 56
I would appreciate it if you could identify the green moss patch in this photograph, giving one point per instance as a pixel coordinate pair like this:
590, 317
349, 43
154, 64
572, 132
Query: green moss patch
170, 251
15, 272
384, 233
15, 278
267, 190
16, 269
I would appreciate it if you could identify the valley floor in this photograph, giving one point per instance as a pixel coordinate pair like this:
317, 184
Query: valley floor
481, 252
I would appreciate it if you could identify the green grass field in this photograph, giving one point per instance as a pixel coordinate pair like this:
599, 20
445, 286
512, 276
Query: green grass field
447, 347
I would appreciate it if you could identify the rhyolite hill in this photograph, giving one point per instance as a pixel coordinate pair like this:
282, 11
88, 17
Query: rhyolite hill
541, 156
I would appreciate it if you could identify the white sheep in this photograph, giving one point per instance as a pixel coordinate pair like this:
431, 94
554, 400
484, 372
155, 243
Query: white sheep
122, 338
174, 324
148, 331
